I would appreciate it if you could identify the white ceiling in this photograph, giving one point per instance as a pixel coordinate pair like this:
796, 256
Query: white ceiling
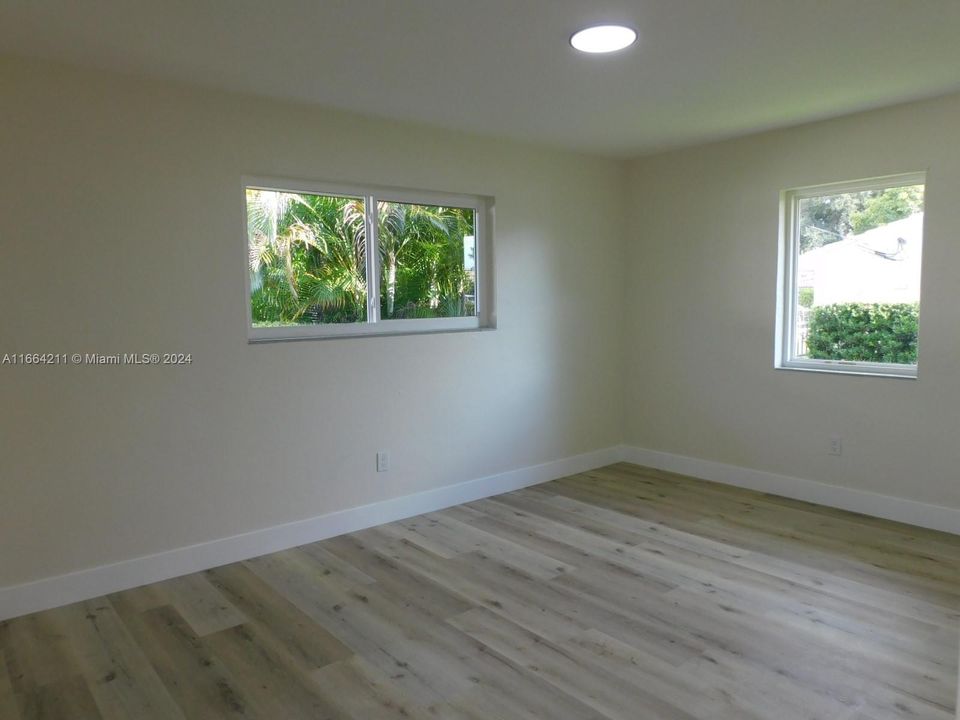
703, 69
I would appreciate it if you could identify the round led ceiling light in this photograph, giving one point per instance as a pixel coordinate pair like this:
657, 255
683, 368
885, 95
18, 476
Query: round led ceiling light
603, 38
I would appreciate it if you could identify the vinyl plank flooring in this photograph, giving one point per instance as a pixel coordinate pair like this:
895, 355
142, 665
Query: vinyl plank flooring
360, 690
413, 588
6, 687
570, 673
623, 592
194, 677
331, 564
307, 643
468, 539
38, 653
142, 598
9, 707
339, 609
118, 674
69, 697
272, 684
204, 607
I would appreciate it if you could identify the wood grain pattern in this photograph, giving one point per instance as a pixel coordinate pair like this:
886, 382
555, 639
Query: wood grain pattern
617, 594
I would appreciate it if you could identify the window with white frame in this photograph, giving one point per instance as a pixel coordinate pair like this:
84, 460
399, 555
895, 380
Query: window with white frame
326, 261
850, 276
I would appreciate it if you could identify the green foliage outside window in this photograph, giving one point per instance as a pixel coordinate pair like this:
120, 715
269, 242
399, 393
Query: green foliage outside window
308, 259
830, 218
865, 332
423, 268
886, 207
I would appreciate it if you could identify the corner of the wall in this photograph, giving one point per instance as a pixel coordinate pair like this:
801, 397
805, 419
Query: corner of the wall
888, 507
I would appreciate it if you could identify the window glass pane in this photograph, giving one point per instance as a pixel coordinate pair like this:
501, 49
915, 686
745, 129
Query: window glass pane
307, 258
427, 261
858, 275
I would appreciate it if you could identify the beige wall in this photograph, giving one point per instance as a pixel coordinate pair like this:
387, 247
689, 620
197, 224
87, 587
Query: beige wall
121, 231
701, 295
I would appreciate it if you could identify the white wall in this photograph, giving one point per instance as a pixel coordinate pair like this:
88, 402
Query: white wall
701, 297
121, 231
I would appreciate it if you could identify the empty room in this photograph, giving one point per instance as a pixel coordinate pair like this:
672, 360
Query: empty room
479, 360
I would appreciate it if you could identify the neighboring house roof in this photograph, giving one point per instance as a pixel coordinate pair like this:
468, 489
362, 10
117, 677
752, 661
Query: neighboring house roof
878, 266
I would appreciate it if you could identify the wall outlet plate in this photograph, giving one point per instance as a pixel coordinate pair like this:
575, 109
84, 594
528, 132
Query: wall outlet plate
383, 461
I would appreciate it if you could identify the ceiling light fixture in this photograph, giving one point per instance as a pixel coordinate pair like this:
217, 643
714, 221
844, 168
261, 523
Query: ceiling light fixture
603, 38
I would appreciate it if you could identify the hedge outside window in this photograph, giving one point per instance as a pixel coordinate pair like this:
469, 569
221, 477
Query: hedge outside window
850, 277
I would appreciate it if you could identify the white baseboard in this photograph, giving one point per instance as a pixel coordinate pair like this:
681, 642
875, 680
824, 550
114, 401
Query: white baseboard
934, 517
52, 592
60, 590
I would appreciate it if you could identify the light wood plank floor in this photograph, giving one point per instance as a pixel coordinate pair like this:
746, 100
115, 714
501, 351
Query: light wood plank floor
619, 593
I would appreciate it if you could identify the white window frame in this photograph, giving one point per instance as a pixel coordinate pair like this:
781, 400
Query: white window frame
482, 206
788, 259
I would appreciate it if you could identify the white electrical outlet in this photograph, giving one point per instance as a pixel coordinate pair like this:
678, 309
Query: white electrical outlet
836, 445
383, 461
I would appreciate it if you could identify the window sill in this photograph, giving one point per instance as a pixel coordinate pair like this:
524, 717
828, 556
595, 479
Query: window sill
258, 339
896, 372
